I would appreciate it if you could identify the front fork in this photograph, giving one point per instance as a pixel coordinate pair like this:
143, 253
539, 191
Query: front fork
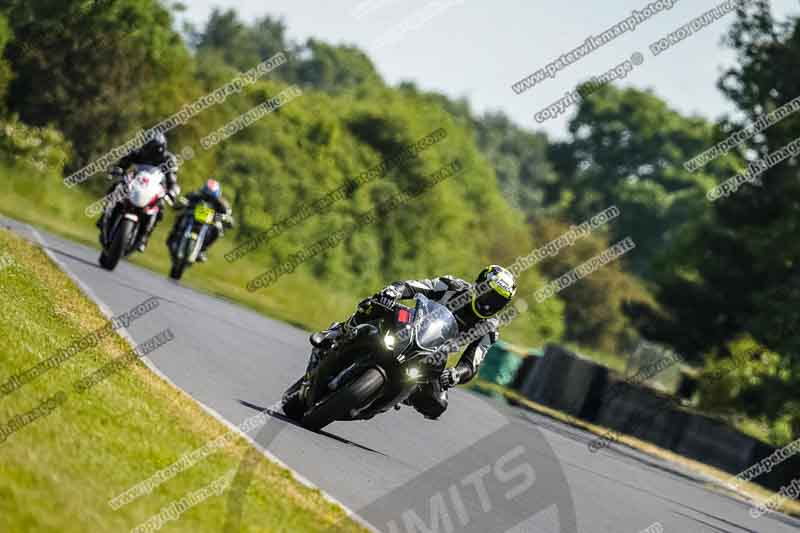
187, 235
111, 220
117, 192
198, 245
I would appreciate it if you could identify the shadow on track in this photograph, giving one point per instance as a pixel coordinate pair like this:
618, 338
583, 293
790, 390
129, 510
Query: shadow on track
284, 418
73, 257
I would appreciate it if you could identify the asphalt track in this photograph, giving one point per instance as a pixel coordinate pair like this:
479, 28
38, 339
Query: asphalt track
482, 467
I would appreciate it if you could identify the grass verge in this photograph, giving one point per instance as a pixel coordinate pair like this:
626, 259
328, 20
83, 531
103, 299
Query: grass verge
58, 472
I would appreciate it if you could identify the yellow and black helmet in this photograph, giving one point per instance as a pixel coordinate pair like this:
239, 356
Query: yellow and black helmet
494, 289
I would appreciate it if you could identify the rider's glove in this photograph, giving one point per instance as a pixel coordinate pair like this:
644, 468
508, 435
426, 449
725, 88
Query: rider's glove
171, 197
364, 305
387, 297
448, 379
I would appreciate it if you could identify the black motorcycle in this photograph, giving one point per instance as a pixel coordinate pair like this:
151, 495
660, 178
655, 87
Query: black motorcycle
377, 368
191, 230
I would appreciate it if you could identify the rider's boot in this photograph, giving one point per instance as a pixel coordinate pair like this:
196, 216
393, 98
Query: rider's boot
313, 361
212, 237
322, 341
203, 255
325, 338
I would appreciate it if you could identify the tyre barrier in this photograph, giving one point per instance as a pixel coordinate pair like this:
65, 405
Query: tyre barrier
565, 381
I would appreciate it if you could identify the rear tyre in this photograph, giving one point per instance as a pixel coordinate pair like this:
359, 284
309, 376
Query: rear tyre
110, 257
339, 404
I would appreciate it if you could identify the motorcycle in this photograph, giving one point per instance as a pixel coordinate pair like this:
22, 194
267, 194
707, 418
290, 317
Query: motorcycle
142, 189
192, 228
377, 367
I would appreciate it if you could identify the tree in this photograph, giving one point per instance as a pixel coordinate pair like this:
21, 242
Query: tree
738, 278
5, 68
315, 64
520, 161
240, 45
594, 308
627, 148
97, 70
336, 68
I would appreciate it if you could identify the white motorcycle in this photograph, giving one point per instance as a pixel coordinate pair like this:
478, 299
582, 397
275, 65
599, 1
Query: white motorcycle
142, 190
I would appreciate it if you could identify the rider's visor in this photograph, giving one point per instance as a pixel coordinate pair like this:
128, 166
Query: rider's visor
490, 303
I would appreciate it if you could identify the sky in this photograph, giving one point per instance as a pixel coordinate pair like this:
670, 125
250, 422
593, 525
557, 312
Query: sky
477, 49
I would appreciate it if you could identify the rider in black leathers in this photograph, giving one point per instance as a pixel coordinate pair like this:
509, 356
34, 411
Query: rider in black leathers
211, 193
154, 153
474, 306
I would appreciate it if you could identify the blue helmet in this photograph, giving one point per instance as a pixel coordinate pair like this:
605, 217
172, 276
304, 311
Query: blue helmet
212, 188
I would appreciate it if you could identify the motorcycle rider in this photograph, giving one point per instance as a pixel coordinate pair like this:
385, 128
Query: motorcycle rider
211, 193
154, 153
471, 304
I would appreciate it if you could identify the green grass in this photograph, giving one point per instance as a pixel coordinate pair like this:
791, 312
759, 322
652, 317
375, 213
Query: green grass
58, 472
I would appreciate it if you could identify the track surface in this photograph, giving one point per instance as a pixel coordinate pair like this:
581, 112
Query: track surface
237, 362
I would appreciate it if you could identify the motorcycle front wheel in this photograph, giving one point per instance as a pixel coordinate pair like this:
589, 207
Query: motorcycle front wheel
111, 256
338, 405
292, 403
176, 272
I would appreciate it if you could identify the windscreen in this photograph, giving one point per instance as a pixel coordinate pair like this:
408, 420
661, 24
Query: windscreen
434, 324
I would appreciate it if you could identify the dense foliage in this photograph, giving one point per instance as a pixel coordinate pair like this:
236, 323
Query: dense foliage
709, 279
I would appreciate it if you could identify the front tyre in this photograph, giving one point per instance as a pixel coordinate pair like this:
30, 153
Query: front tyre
110, 257
338, 405
292, 402
176, 272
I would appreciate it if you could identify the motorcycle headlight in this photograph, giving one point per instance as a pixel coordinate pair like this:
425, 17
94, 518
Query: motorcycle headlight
389, 341
412, 372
